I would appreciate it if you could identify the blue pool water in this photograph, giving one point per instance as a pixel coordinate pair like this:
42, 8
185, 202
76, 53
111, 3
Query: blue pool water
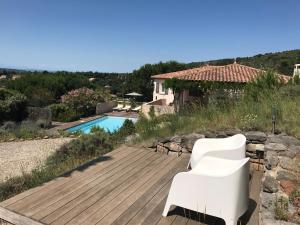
108, 123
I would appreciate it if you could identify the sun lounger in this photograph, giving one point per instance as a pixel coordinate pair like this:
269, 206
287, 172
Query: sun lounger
227, 148
137, 109
215, 186
118, 107
126, 108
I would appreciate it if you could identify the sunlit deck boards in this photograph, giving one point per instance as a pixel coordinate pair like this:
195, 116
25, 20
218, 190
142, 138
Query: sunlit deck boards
126, 186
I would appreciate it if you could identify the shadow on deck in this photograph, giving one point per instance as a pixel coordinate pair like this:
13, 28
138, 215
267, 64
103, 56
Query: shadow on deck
126, 186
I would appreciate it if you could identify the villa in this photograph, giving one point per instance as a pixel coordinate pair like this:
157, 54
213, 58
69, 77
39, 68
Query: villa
232, 73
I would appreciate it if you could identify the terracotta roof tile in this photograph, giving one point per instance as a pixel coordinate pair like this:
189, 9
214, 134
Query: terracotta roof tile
235, 73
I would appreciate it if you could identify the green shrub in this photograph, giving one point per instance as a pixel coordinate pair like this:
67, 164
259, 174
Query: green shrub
295, 195
63, 113
281, 209
27, 129
84, 100
127, 129
12, 105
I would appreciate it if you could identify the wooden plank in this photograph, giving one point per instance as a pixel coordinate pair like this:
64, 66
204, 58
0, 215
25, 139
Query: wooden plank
156, 214
180, 220
154, 187
143, 210
170, 218
88, 214
58, 194
65, 213
114, 155
149, 207
16, 218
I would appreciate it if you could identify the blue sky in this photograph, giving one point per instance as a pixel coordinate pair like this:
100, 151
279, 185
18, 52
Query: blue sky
119, 36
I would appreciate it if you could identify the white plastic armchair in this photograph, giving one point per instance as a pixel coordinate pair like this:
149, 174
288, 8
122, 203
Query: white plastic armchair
227, 148
217, 187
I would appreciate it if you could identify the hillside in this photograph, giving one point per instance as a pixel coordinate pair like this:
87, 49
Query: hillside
282, 62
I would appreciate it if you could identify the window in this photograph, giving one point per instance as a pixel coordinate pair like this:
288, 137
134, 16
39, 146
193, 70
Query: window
156, 87
163, 88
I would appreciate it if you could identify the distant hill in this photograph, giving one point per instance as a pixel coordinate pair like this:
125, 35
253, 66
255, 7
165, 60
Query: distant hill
11, 71
283, 62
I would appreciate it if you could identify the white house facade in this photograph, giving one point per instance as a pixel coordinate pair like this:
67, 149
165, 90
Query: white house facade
297, 70
161, 92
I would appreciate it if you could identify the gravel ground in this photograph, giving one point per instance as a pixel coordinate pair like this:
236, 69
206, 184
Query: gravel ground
16, 157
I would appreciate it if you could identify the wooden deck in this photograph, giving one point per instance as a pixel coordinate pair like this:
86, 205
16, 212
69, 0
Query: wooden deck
126, 186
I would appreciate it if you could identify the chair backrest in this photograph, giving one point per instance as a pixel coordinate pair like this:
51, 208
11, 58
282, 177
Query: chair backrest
228, 148
235, 141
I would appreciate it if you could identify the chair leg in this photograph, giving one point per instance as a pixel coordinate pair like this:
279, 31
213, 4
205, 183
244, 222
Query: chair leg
230, 221
166, 210
189, 165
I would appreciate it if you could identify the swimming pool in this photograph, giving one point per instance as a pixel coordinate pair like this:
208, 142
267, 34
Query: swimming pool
108, 123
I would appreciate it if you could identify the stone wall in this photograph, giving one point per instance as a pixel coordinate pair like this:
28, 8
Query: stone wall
105, 107
43, 116
277, 155
281, 181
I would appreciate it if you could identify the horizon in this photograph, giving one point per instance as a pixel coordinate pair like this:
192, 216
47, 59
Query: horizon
120, 37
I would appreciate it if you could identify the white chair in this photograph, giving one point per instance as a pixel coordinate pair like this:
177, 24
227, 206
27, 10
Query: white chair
217, 187
127, 108
137, 109
227, 148
118, 107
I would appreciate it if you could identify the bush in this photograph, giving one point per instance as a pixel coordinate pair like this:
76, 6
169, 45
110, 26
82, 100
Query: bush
127, 129
63, 113
12, 105
27, 129
9, 126
86, 145
83, 100
281, 209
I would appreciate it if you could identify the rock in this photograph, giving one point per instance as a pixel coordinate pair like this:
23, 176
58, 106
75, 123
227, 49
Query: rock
271, 160
189, 140
288, 140
176, 139
232, 132
184, 150
267, 199
283, 139
270, 185
173, 146
11, 139
255, 147
161, 149
163, 140
221, 135
172, 153
290, 164
275, 147
285, 175
46, 137
287, 186
209, 135
251, 147
291, 152
256, 137
251, 155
